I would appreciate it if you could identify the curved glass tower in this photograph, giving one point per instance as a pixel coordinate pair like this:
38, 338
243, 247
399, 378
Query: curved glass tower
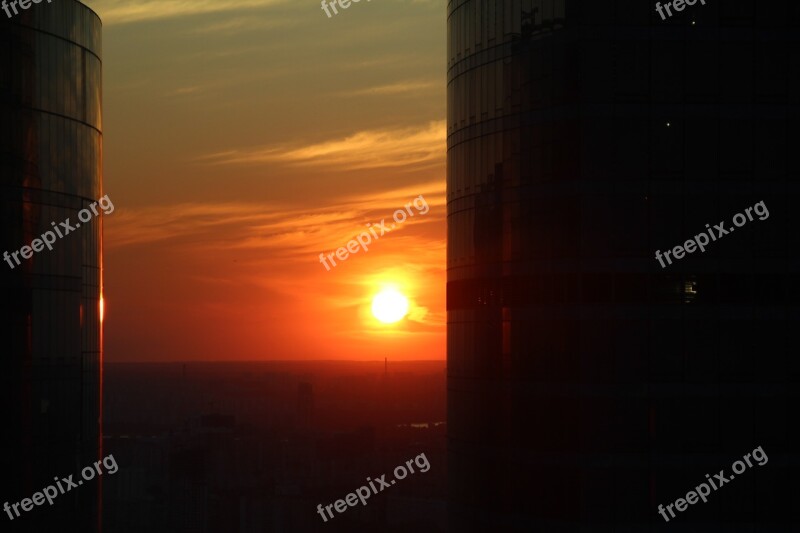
587, 384
50, 303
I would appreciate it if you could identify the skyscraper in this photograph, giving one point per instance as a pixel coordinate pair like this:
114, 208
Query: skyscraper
586, 383
50, 304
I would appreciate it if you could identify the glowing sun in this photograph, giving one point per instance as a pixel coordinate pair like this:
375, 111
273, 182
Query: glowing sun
389, 306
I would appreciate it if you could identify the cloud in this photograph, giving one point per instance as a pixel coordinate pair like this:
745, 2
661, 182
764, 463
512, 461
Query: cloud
238, 25
284, 231
394, 88
369, 149
126, 11
189, 220
265, 247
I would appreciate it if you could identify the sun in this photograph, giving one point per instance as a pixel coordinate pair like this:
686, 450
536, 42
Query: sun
389, 306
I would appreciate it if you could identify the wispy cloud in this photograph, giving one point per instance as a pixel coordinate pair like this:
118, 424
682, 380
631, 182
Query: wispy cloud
238, 25
406, 87
126, 11
287, 232
363, 150
256, 246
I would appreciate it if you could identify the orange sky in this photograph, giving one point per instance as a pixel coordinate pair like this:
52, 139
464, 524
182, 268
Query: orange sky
245, 137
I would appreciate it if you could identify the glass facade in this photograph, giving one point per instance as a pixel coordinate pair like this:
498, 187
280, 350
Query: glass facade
50, 323
586, 384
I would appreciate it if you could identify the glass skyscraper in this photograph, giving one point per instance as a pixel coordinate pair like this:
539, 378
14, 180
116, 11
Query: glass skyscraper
50, 304
586, 383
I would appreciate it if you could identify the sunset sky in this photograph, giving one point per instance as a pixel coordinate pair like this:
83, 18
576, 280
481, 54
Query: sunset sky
242, 138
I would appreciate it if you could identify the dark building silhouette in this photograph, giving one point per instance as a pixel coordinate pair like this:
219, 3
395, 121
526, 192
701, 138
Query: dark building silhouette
50, 304
305, 402
586, 383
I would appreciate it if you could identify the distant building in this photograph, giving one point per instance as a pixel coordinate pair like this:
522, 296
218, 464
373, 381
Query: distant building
50, 324
586, 384
305, 402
